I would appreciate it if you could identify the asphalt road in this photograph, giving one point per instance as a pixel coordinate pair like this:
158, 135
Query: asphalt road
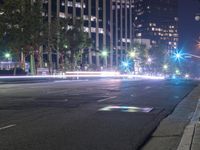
68, 115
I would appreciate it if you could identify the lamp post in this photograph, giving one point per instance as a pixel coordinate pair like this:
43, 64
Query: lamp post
133, 55
7, 56
179, 55
104, 54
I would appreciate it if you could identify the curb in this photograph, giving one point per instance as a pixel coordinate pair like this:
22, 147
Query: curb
189, 135
169, 133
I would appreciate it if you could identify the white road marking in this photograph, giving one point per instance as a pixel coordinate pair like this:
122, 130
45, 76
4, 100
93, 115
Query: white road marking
8, 126
105, 99
147, 87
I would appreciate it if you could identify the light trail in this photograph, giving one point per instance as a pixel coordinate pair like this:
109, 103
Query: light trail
85, 75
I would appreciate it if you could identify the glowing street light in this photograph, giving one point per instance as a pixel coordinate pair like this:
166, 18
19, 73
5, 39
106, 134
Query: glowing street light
178, 55
177, 72
132, 54
104, 53
187, 75
165, 66
149, 60
7, 55
65, 46
125, 64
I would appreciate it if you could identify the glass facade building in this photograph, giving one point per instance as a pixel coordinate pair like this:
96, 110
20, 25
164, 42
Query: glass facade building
157, 20
108, 23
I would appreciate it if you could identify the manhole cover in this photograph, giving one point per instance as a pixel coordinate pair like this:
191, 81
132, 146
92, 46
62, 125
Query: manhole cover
127, 109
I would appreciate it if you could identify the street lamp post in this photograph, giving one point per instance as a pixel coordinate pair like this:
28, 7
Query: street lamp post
180, 55
8, 56
105, 56
192, 55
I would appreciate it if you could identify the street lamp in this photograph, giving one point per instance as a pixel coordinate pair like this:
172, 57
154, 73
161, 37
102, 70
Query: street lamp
165, 66
7, 55
149, 60
132, 54
104, 54
65, 46
179, 55
177, 72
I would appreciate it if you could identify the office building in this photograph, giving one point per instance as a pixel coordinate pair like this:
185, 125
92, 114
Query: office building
157, 20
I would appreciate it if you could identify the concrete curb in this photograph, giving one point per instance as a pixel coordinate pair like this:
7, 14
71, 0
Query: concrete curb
189, 139
170, 131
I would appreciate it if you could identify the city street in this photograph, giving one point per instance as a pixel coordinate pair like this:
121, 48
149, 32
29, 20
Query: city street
103, 114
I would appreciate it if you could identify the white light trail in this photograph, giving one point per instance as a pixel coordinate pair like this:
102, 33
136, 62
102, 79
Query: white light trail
84, 75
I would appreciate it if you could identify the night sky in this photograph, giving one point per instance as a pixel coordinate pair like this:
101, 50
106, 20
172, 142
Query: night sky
189, 29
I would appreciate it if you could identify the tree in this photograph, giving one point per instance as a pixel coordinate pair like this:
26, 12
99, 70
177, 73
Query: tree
158, 55
22, 27
141, 54
76, 39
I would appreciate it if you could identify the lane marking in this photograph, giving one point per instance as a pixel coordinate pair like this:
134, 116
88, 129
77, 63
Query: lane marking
126, 109
147, 87
66, 100
8, 126
105, 99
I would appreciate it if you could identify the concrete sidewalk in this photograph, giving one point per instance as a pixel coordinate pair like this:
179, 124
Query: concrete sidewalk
191, 135
181, 129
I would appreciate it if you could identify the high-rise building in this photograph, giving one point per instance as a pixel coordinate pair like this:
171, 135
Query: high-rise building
123, 32
108, 23
157, 20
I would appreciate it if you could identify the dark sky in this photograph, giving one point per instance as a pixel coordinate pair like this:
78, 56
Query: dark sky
189, 29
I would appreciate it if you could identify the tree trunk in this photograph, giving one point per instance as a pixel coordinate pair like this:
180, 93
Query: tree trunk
50, 61
32, 62
72, 60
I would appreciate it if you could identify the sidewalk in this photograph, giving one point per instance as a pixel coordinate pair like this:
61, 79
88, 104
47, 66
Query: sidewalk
191, 135
181, 129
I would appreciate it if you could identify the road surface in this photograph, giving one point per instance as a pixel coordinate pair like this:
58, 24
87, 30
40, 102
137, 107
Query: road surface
85, 115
